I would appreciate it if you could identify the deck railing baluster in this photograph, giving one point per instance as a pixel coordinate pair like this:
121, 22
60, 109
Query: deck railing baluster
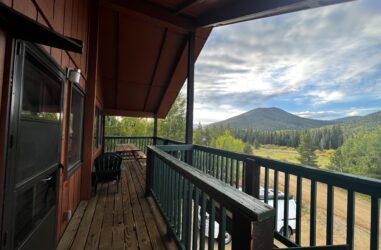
195, 218
203, 220
286, 204
299, 189
275, 202
222, 228
212, 218
330, 209
266, 186
350, 219
313, 214
375, 222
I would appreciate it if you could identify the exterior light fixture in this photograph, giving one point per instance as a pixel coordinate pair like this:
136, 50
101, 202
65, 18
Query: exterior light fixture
73, 75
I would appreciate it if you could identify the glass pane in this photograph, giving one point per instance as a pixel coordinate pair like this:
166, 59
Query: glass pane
76, 128
41, 98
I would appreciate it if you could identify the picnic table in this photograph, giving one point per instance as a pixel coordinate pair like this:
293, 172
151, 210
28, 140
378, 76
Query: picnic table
128, 150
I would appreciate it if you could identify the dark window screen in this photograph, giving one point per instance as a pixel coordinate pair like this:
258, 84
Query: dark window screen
76, 128
32, 206
39, 128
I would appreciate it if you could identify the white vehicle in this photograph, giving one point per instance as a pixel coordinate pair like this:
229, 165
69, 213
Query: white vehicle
228, 237
280, 214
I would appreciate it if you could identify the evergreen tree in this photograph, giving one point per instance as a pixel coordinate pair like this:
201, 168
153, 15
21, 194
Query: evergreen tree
248, 149
306, 150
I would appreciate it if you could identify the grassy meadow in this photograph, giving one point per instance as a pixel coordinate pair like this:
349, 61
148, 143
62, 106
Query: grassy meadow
289, 154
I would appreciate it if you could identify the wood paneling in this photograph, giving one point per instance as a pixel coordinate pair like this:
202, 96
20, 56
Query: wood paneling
26, 7
71, 18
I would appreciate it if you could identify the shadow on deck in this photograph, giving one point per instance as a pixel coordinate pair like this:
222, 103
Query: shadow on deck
124, 220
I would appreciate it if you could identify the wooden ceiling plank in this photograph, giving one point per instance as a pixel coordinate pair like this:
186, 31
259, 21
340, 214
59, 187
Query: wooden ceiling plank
182, 53
249, 9
162, 15
187, 5
164, 39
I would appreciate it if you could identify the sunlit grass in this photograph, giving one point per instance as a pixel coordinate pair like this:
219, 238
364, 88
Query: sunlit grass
290, 154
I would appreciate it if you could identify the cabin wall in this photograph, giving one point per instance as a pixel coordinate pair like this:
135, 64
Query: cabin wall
71, 18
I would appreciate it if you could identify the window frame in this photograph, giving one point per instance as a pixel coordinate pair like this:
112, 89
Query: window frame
98, 128
73, 167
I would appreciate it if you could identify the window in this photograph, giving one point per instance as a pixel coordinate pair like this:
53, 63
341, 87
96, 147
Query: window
41, 95
98, 128
75, 128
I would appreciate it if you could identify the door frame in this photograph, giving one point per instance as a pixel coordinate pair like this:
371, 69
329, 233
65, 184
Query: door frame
20, 49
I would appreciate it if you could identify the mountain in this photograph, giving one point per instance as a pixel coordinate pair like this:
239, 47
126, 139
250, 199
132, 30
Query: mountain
347, 119
278, 119
271, 119
365, 123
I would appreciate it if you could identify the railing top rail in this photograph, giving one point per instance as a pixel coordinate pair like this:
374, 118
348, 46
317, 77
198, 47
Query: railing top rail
352, 182
176, 147
229, 197
128, 137
170, 140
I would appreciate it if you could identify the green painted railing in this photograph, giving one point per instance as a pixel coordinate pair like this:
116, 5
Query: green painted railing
249, 173
196, 205
141, 142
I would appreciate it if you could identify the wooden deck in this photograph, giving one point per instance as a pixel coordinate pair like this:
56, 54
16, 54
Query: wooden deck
124, 220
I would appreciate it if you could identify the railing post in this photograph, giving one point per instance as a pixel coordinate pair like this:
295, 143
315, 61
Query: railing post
155, 130
149, 172
263, 234
252, 178
241, 232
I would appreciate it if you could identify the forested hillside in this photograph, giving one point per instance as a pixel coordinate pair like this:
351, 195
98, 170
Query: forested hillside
271, 119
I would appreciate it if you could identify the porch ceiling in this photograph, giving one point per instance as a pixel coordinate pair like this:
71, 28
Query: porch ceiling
144, 46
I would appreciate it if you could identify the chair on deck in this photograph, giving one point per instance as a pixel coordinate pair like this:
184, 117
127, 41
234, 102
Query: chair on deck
107, 168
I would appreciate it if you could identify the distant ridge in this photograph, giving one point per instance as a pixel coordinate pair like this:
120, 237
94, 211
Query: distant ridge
278, 119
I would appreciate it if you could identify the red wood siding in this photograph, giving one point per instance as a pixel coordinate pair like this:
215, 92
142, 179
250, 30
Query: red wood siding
71, 18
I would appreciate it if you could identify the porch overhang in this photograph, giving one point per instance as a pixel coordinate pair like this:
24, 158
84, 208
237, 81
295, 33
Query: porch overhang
144, 45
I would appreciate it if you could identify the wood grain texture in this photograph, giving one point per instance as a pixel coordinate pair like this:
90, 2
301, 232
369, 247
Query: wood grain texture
123, 220
71, 231
71, 18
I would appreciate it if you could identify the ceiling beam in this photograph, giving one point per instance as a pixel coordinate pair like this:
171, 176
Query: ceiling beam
151, 11
181, 56
252, 9
156, 67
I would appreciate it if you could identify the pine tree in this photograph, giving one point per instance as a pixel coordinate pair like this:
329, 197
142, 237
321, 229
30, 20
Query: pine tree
306, 150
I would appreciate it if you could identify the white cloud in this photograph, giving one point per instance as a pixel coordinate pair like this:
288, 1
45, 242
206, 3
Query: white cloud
319, 114
321, 55
321, 97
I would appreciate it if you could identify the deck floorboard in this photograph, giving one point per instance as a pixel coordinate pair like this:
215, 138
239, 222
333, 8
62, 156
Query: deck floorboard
123, 220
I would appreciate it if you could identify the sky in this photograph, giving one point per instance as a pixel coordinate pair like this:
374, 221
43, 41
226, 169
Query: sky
323, 63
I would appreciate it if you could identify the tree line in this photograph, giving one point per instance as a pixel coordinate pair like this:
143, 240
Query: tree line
323, 138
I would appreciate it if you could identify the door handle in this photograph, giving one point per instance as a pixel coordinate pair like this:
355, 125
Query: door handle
47, 179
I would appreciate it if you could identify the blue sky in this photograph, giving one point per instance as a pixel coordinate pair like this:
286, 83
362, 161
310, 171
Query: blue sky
323, 63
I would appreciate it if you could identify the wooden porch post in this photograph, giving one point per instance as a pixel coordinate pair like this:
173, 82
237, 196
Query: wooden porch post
154, 130
190, 89
90, 104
